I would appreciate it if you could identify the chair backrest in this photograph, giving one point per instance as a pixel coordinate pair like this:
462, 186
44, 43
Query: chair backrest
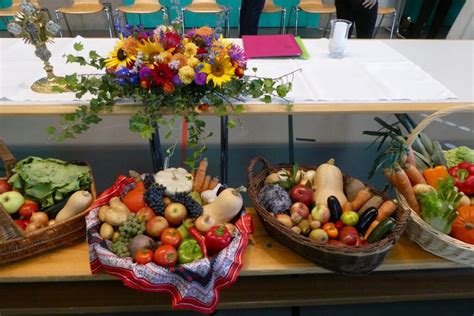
147, 2
86, 1
18, 2
312, 1
204, 1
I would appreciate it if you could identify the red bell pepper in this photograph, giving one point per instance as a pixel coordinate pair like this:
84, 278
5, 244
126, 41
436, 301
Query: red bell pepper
463, 175
217, 239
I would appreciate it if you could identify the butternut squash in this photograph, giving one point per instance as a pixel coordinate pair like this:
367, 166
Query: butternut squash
77, 203
329, 181
227, 204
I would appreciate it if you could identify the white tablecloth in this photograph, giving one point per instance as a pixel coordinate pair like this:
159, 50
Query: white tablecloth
371, 71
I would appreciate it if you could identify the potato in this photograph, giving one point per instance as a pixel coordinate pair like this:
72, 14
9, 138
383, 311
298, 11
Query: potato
106, 231
116, 217
102, 211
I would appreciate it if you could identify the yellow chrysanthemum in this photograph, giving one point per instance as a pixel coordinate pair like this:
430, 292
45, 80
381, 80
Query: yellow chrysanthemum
221, 71
190, 50
183, 61
193, 62
186, 74
118, 58
165, 57
151, 51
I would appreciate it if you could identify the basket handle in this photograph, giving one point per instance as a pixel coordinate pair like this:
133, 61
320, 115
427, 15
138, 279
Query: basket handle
7, 157
427, 120
251, 167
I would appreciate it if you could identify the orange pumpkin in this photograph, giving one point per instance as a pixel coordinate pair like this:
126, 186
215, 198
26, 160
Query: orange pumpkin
134, 199
463, 226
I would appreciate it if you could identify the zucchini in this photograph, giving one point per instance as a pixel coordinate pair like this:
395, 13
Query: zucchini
366, 219
382, 230
335, 208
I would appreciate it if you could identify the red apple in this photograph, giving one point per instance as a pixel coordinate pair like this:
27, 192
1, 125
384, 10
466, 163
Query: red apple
301, 193
155, 226
300, 208
145, 213
349, 235
175, 213
27, 209
4, 186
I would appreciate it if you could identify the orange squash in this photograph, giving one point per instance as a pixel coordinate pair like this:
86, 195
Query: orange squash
134, 199
463, 226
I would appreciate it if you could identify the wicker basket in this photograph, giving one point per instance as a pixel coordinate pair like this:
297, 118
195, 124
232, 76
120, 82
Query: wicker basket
16, 246
422, 233
343, 259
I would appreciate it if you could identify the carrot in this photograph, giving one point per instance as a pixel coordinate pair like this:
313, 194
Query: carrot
200, 175
360, 199
347, 207
385, 210
205, 185
371, 228
415, 176
433, 175
214, 182
399, 179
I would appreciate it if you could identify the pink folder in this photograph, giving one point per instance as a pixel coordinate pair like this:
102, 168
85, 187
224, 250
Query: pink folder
264, 46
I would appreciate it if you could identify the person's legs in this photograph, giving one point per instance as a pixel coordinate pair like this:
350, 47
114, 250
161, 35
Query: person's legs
365, 19
250, 11
440, 15
344, 11
425, 12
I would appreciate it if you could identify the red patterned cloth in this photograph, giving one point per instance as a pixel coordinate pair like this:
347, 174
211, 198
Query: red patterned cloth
193, 286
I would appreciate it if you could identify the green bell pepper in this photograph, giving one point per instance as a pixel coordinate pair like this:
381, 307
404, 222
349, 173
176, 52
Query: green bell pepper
189, 251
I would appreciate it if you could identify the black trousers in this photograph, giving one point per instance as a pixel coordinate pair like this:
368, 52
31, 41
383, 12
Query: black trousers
441, 8
363, 18
250, 12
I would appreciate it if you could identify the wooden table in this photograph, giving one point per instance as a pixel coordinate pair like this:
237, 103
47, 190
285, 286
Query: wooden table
272, 276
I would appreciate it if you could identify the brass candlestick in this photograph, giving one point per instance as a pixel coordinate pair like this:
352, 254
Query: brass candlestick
35, 27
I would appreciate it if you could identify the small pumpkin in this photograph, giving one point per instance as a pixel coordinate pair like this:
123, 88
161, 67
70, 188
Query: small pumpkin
175, 180
463, 226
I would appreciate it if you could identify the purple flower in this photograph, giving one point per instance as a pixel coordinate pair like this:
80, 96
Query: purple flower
238, 54
200, 78
145, 73
176, 81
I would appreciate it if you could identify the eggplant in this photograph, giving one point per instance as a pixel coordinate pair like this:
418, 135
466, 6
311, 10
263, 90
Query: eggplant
366, 219
335, 208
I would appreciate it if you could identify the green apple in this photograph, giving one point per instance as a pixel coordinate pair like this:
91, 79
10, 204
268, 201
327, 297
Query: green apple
196, 197
11, 201
350, 218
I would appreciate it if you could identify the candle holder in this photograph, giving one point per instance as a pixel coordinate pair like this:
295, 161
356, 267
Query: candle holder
338, 37
36, 28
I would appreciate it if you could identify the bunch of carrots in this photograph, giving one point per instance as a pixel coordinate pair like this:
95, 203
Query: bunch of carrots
405, 178
203, 181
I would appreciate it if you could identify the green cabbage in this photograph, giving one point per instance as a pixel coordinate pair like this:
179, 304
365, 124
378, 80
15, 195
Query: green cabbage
457, 155
49, 181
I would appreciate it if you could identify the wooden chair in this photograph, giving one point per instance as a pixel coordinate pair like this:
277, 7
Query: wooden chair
384, 11
312, 7
143, 7
80, 7
271, 7
207, 7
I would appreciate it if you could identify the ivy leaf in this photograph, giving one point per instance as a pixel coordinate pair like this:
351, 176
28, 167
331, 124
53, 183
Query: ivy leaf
266, 99
51, 130
93, 55
78, 46
231, 123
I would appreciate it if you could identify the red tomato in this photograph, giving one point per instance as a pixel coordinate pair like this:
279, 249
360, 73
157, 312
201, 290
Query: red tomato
331, 230
339, 224
166, 256
144, 256
27, 209
171, 236
21, 223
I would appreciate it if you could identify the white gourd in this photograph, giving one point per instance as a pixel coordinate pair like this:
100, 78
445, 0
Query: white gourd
175, 180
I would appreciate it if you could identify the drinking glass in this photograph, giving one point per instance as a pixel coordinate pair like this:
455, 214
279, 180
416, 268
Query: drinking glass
338, 37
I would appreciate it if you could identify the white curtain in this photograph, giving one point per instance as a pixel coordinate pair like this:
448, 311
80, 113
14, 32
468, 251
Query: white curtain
463, 27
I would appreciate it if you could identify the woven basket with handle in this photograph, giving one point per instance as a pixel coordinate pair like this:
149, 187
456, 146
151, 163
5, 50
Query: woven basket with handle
421, 232
14, 245
343, 259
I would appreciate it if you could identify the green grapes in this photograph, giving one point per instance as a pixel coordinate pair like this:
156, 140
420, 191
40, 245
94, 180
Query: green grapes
128, 230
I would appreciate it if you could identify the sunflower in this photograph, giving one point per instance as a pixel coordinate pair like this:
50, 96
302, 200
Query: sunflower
151, 50
219, 71
118, 58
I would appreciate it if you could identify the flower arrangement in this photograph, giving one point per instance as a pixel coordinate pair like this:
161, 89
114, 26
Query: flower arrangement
167, 73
